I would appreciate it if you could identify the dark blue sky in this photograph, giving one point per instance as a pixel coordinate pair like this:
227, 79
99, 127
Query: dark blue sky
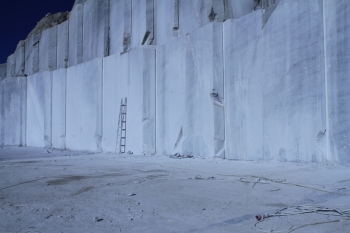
19, 17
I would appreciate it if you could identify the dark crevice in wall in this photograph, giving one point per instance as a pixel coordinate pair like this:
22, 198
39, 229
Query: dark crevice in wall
145, 37
212, 15
176, 25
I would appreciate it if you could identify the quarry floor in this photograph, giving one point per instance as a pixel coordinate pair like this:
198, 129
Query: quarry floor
45, 190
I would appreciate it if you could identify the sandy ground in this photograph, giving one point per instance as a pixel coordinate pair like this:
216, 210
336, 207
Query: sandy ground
62, 191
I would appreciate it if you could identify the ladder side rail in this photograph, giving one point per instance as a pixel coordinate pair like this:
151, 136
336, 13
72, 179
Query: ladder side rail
125, 122
119, 126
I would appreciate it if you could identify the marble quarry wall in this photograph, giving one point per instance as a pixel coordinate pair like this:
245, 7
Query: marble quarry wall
130, 75
275, 84
99, 28
39, 109
84, 105
189, 94
236, 79
13, 99
337, 70
3, 70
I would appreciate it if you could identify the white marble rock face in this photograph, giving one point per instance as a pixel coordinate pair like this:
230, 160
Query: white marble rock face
138, 22
3, 71
75, 55
235, 9
1, 112
128, 27
13, 111
135, 87
84, 106
190, 113
19, 56
197, 124
39, 124
132, 76
32, 54
268, 84
275, 85
164, 21
294, 88
62, 45
11, 66
337, 64
115, 73
59, 108
116, 26
243, 87
48, 50
170, 96
204, 93
95, 29
218, 90
149, 101
193, 14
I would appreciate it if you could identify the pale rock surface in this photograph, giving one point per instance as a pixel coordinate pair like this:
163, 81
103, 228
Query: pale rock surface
132, 76
149, 101
116, 26
19, 56
13, 111
179, 17
170, 96
243, 87
59, 108
139, 22
39, 109
193, 14
190, 113
115, 75
82, 2
11, 65
84, 106
32, 54
165, 21
62, 45
337, 64
204, 92
2, 134
95, 29
127, 35
294, 88
267, 3
235, 9
3, 70
275, 85
48, 50
142, 23
269, 84
75, 55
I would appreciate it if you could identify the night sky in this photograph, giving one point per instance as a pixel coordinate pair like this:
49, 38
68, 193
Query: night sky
19, 17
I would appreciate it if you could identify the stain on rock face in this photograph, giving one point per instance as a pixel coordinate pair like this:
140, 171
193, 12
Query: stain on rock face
282, 155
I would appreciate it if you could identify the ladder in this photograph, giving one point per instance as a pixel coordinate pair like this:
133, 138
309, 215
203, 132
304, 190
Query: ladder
121, 133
